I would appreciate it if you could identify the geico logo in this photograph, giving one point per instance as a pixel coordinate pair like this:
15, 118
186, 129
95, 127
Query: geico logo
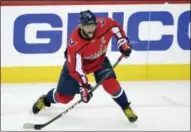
54, 34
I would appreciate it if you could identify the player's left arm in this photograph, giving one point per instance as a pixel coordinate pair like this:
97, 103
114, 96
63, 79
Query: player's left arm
122, 40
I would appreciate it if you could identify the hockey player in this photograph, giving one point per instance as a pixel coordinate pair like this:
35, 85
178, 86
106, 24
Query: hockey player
86, 53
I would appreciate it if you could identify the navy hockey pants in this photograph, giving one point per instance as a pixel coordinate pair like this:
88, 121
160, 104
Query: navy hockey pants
69, 86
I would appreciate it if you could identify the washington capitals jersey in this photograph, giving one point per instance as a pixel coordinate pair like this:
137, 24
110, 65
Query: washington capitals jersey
86, 56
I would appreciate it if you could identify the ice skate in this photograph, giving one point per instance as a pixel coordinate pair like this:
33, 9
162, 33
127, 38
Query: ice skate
40, 104
130, 114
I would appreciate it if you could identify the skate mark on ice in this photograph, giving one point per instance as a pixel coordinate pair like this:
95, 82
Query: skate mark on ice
174, 103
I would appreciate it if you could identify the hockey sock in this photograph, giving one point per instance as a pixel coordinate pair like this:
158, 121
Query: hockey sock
51, 96
64, 99
113, 87
121, 99
55, 97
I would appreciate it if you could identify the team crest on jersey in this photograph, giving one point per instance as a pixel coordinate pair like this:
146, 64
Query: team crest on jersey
72, 42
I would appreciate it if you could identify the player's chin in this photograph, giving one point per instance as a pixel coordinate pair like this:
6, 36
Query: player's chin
90, 35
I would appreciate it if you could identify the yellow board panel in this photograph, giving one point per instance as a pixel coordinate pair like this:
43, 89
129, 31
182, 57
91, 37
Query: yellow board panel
169, 72
124, 73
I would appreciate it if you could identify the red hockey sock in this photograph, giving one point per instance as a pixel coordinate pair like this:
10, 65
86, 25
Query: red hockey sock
111, 86
64, 99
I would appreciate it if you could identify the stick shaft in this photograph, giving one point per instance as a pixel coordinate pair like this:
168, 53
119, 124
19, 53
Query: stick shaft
39, 126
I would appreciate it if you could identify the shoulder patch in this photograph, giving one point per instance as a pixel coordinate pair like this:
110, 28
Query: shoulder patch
102, 21
71, 42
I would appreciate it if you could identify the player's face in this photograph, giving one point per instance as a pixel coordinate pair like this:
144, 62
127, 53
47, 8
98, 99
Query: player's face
89, 30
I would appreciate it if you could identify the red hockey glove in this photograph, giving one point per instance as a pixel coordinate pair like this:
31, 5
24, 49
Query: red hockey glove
85, 96
124, 46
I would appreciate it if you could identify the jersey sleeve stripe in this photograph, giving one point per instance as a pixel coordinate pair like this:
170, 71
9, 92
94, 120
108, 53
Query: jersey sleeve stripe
116, 31
78, 68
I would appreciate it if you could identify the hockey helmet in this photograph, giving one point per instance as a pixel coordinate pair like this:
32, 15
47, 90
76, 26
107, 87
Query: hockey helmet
87, 17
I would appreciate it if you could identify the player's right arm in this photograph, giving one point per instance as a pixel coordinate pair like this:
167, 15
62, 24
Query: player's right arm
75, 66
75, 63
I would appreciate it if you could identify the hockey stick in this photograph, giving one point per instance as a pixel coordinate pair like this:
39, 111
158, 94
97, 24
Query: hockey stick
39, 126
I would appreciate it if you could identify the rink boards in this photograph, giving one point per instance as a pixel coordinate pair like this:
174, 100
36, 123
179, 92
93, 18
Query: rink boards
33, 39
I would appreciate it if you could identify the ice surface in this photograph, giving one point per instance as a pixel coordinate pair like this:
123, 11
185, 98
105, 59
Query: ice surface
160, 105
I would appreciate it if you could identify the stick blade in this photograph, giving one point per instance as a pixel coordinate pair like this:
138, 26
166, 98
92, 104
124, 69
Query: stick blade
28, 126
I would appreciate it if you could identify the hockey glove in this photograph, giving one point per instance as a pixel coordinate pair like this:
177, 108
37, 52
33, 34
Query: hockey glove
85, 96
124, 46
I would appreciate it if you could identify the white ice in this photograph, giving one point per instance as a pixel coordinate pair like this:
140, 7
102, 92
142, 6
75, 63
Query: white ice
160, 105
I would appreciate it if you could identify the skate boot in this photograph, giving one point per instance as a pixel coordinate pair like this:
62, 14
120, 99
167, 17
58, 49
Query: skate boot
130, 114
40, 104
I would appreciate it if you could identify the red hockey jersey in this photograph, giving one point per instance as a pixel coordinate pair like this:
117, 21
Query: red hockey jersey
86, 56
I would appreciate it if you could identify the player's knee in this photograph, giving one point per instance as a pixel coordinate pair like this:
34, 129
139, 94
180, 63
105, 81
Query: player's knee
64, 99
111, 86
